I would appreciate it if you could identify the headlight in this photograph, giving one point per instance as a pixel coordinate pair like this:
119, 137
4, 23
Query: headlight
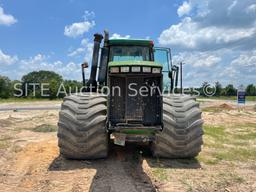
156, 70
114, 69
135, 69
146, 69
125, 69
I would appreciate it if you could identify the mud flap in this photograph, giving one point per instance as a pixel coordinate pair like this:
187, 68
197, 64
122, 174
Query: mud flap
119, 139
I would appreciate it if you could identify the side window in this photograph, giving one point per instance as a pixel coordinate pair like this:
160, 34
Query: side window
163, 56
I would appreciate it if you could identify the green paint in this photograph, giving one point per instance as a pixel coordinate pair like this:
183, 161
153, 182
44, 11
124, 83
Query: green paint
134, 42
138, 132
134, 63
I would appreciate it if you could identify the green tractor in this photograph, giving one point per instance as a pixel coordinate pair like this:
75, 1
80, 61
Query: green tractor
130, 101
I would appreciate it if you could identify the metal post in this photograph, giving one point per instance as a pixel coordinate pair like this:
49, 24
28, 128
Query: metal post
83, 76
181, 86
84, 66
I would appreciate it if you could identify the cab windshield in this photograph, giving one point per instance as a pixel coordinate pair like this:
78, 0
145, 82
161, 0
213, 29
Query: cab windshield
129, 53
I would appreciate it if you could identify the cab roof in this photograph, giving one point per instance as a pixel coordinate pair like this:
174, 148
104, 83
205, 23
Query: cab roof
142, 42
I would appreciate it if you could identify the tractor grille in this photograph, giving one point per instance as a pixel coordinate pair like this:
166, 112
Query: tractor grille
127, 107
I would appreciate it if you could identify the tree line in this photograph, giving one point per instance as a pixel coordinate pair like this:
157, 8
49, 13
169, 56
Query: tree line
228, 90
38, 84
51, 83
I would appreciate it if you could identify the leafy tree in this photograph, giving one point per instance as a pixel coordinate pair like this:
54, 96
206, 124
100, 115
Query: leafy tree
218, 88
38, 82
16, 88
230, 90
203, 87
5, 87
223, 92
251, 90
72, 86
53, 89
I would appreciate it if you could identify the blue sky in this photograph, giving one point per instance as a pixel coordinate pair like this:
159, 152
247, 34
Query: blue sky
217, 43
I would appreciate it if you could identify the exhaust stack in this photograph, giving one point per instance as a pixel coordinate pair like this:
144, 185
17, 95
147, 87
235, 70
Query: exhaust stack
92, 83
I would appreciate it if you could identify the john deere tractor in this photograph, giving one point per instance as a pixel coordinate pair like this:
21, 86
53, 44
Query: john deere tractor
130, 101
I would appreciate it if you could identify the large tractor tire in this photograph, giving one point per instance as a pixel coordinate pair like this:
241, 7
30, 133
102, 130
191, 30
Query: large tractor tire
81, 132
182, 133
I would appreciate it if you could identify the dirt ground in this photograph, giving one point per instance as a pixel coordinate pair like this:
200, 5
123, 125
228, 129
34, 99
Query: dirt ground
30, 160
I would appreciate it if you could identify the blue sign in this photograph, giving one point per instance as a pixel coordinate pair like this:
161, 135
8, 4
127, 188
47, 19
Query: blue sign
241, 97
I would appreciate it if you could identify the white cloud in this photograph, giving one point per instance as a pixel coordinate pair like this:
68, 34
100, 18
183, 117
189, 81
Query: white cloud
217, 35
88, 15
242, 69
118, 36
88, 51
189, 34
6, 19
7, 59
251, 8
234, 3
69, 70
84, 42
198, 59
78, 51
246, 59
184, 9
224, 65
79, 28
211, 26
85, 50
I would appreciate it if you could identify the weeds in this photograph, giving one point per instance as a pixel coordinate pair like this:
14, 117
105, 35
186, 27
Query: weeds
5, 141
160, 173
45, 128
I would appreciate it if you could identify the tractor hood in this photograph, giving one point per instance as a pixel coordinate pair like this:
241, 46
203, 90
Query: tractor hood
134, 63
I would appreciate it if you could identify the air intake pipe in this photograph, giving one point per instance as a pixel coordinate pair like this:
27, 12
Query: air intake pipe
92, 83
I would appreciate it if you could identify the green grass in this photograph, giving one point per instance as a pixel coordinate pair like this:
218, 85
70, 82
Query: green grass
236, 154
248, 98
45, 128
216, 132
228, 144
11, 100
160, 173
188, 185
247, 136
4, 144
5, 141
208, 161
